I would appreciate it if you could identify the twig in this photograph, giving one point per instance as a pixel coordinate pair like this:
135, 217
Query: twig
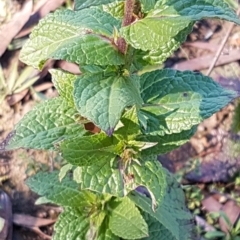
230, 28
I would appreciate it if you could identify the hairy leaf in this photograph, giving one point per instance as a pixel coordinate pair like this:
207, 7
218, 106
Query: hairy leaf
102, 177
71, 225
176, 101
65, 193
194, 10
102, 99
85, 151
80, 4
82, 37
149, 33
172, 212
116, 9
63, 82
167, 25
126, 220
151, 175
47, 124
158, 56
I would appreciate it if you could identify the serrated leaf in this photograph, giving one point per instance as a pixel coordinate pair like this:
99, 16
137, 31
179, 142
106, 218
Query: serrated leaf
151, 175
45, 125
63, 82
81, 4
83, 37
167, 142
176, 101
71, 225
102, 98
167, 25
156, 230
131, 127
116, 9
194, 10
172, 212
126, 220
85, 151
101, 178
149, 33
158, 56
65, 193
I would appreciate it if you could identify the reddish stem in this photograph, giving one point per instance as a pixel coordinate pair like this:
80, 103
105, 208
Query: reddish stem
128, 13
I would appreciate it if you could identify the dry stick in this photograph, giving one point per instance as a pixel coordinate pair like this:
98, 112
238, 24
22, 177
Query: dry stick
231, 25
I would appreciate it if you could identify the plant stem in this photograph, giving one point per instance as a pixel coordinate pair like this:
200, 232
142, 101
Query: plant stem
128, 13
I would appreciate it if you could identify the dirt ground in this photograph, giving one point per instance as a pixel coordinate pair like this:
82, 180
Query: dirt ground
212, 155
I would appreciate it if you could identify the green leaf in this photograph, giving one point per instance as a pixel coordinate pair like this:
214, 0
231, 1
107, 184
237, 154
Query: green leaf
156, 230
151, 175
194, 10
116, 9
126, 220
214, 235
102, 177
130, 127
45, 125
105, 233
167, 25
172, 212
85, 151
152, 33
81, 4
158, 56
65, 193
167, 142
71, 225
176, 101
83, 37
63, 82
102, 98
147, 5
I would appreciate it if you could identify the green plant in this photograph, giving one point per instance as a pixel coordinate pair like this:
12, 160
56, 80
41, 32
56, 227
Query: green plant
113, 187
233, 230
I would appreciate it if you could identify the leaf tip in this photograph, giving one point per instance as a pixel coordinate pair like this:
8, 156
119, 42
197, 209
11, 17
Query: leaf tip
110, 131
